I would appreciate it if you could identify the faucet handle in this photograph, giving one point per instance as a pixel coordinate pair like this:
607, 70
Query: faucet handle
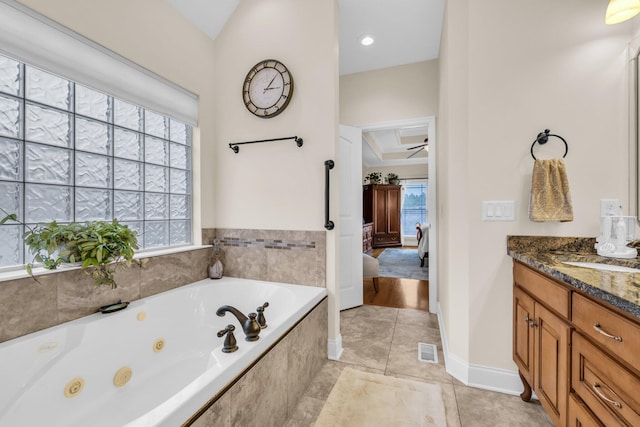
230, 343
261, 320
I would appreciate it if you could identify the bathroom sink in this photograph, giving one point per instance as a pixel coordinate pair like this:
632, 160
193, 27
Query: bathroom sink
605, 267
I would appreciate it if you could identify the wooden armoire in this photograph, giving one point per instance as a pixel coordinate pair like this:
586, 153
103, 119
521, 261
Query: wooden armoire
381, 206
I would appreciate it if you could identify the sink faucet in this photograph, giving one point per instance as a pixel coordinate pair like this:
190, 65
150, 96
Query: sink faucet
249, 324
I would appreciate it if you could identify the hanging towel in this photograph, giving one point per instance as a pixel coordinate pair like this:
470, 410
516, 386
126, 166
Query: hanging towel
550, 194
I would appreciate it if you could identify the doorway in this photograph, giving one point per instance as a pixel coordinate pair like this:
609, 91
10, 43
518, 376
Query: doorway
413, 291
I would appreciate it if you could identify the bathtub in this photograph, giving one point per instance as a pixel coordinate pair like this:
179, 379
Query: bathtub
155, 363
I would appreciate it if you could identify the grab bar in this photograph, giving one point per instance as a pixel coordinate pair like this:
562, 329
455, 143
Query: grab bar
328, 224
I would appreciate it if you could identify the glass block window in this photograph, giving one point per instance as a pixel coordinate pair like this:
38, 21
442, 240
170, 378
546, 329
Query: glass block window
70, 153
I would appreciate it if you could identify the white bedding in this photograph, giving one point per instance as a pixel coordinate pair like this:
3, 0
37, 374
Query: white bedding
423, 244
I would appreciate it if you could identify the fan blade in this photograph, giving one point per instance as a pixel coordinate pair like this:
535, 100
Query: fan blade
417, 146
413, 154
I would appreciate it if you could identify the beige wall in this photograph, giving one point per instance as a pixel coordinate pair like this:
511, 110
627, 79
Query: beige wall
163, 42
452, 181
508, 78
404, 172
394, 93
276, 185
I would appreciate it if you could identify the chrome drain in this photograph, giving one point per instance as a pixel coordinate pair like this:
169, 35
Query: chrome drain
427, 352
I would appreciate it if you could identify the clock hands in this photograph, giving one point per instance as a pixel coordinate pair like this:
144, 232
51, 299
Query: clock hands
269, 85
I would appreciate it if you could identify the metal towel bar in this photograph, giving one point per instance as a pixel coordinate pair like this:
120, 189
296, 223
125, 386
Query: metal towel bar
235, 148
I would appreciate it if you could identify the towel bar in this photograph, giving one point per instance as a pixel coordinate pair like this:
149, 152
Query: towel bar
543, 138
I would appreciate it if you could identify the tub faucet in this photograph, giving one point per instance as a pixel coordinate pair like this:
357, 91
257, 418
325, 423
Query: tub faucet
249, 324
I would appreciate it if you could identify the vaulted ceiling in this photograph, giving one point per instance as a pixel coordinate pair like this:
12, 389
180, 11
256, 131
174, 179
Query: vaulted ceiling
405, 32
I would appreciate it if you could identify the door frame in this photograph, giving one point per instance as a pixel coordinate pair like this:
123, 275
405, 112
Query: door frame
432, 200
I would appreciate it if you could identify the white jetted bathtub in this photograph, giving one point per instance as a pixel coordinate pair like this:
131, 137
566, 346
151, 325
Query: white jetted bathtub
154, 363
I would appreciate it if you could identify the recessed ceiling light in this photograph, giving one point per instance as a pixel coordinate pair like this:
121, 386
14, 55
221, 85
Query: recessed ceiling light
367, 40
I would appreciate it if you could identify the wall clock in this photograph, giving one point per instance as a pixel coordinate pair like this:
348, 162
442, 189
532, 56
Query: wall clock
267, 89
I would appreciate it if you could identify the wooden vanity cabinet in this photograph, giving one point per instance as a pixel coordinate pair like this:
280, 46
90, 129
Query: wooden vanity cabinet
580, 355
541, 343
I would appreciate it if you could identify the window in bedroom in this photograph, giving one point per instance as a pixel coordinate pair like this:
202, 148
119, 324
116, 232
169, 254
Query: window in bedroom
71, 153
414, 206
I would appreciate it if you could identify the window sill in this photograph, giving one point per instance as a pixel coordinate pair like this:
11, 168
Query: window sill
21, 273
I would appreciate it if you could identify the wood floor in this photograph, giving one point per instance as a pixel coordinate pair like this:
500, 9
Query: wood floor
396, 293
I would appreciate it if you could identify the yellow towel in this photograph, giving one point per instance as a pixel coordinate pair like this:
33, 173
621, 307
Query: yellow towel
550, 194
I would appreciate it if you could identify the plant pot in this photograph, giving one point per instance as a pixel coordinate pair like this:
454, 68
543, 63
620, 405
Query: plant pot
394, 181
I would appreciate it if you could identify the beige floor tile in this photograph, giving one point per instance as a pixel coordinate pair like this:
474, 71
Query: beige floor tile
411, 334
306, 412
362, 328
364, 352
347, 314
384, 340
480, 408
409, 316
403, 360
376, 313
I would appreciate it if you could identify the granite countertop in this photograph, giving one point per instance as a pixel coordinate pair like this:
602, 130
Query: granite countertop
547, 254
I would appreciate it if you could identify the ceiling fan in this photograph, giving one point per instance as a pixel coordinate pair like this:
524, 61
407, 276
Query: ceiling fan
424, 146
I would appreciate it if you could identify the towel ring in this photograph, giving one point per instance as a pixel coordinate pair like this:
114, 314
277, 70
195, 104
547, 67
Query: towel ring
543, 138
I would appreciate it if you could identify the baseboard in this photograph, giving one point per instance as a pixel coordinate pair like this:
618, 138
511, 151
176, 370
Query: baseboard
478, 376
334, 348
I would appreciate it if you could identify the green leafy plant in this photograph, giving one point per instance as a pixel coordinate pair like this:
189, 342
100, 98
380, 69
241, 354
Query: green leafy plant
373, 178
102, 245
392, 178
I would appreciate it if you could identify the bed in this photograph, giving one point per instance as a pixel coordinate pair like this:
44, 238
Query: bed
423, 241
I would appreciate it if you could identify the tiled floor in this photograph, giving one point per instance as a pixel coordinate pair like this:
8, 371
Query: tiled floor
384, 340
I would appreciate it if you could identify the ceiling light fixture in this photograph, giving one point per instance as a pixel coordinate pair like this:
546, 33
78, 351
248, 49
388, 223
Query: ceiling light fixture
621, 10
368, 40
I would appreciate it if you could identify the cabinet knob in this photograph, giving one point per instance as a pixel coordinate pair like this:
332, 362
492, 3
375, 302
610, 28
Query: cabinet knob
530, 321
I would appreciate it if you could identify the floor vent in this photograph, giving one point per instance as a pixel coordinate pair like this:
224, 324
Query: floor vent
427, 353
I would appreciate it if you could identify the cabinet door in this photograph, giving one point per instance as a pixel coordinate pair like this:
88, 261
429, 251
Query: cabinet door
380, 217
580, 416
551, 382
393, 210
523, 334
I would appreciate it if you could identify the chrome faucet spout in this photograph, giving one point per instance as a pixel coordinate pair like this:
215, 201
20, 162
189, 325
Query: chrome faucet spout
249, 324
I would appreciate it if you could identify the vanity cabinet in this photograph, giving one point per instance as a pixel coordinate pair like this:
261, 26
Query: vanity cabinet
381, 206
579, 354
541, 339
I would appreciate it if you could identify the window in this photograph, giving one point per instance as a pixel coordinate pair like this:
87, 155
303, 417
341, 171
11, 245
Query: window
414, 206
71, 153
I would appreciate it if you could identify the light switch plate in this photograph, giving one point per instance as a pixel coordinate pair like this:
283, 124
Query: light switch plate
499, 210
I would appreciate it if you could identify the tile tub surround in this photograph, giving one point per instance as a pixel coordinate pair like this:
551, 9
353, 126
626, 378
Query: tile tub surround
547, 255
268, 394
285, 256
27, 306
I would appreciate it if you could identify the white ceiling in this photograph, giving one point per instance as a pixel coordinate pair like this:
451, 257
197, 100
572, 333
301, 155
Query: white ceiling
405, 31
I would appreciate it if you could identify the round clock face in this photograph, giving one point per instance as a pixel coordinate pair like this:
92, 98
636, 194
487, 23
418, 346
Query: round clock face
267, 88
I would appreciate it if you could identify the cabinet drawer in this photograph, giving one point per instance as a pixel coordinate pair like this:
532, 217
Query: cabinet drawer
608, 389
550, 293
614, 332
580, 415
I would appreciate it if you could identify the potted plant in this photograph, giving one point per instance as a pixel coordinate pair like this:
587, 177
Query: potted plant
374, 178
102, 245
393, 179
